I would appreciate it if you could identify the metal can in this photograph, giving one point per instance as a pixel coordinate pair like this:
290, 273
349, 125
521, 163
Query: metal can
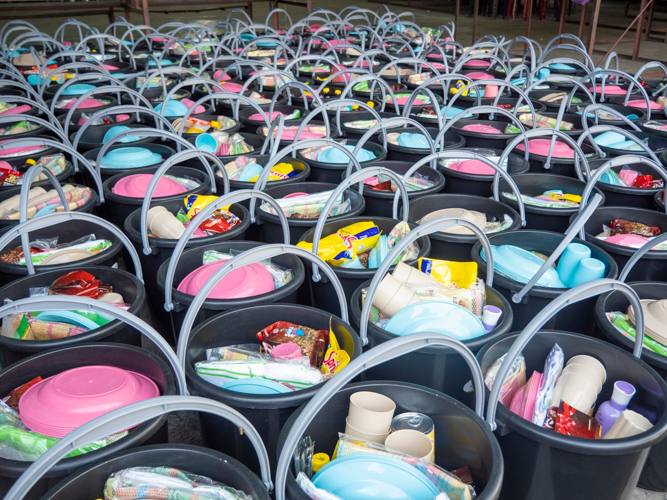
416, 422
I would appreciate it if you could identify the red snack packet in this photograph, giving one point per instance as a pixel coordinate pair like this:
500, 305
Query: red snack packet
219, 222
79, 283
313, 343
622, 226
382, 186
566, 420
14, 396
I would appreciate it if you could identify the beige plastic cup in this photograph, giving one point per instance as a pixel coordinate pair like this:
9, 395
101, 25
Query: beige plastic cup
591, 362
411, 442
164, 224
630, 423
587, 372
576, 390
152, 213
392, 296
408, 275
357, 434
370, 412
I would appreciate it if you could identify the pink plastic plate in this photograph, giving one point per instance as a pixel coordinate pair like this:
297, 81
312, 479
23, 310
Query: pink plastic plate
627, 240
246, 281
295, 195
136, 186
189, 103
479, 75
478, 63
641, 103
609, 90
86, 103
472, 167
23, 108
260, 118
541, 147
290, 134
68, 400
232, 87
481, 128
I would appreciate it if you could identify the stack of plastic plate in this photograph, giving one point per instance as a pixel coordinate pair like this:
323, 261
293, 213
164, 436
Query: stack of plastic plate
436, 316
78, 89
246, 281
136, 186
541, 147
367, 475
655, 318
58, 405
256, 386
130, 158
521, 265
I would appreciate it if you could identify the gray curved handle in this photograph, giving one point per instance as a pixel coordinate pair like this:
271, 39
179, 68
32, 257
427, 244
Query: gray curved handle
469, 155
39, 104
110, 88
523, 96
382, 126
338, 104
470, 57
147, 132
588, 133
383, 85
60, 302
639, 254
486, 109
238, 98
359, 176
420, 231
652, 64
619, 161
162, 169
576, 294
30, 177
52, 127
384, 352
96, 66
633, 82
76, 156
160, 121
568, 36
612, 111
80, 98
130, 416
49, 220
541, 132
585, 212
205, 213
264, 252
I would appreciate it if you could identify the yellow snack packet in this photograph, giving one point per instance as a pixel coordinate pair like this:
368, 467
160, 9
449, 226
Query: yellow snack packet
278, 172
349, 241
463, 274
196, 202
335, 359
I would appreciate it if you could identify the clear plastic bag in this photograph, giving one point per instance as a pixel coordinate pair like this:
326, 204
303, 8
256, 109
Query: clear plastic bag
515, 379
281, 275
313, 491
167, 483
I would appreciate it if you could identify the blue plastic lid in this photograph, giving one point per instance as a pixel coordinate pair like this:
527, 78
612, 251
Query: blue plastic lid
130, 158
334, 155
256, 386
173, 108
416, 141
119, 129
436, 316
562, 67
250, 172
163, 62
78, 89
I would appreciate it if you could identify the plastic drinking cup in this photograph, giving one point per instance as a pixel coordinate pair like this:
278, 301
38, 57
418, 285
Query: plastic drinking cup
587, 270
570, 258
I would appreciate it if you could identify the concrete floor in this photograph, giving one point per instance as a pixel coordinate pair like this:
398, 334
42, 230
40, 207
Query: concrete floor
184, 427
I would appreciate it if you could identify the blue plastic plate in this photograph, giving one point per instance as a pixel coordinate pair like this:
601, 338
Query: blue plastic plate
334, 155
416, 141
78, 89
256, 386
130, 158
68, 317
521, 265
365, 476
436, 316
174, 108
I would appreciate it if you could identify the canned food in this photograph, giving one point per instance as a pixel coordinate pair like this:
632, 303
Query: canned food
416, 422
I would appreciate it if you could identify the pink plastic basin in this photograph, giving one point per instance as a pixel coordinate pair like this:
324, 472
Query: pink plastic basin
481, 128
472, 167
541, 147
63, 402
136, 186
246, 281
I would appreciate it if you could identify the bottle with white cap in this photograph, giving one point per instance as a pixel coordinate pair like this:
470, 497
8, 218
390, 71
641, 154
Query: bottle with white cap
609, 411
